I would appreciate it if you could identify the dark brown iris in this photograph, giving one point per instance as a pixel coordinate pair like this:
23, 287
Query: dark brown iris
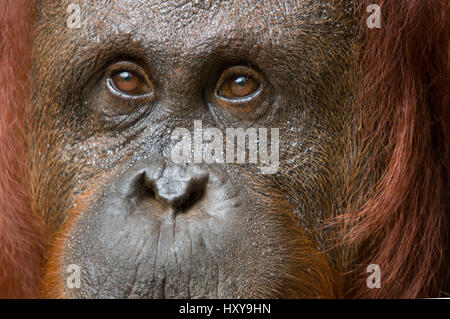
238, 87
129, 82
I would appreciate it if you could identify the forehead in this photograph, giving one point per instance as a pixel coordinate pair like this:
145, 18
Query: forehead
183, 18
185, 13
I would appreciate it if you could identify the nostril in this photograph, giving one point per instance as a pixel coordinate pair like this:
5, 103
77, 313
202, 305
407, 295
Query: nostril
146, 186
139, 180
158, 188
194, 192
178, 187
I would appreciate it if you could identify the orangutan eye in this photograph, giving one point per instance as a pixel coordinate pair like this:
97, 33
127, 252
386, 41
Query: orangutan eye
237, 87
125, 92
129, 83
128, 80
238, 83
241, 92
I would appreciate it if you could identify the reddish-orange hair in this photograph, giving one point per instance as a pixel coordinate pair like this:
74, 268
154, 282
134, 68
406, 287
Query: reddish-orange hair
20, 230
405, 100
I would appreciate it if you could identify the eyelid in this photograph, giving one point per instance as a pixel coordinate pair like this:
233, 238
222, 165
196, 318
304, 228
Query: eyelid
239, 71
248, 108
128, 66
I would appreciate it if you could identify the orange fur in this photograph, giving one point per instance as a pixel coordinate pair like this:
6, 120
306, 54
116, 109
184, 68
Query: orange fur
405, 98
53, 279
20, 228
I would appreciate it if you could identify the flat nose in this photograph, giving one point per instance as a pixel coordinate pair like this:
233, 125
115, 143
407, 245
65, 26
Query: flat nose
180, 187
161, 187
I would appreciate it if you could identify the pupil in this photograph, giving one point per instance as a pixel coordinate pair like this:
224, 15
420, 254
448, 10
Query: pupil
126, 76
241, 81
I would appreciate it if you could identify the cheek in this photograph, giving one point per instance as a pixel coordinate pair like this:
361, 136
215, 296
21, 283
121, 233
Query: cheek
144, 235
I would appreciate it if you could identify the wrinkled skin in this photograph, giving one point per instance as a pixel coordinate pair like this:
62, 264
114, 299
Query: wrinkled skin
140, 226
